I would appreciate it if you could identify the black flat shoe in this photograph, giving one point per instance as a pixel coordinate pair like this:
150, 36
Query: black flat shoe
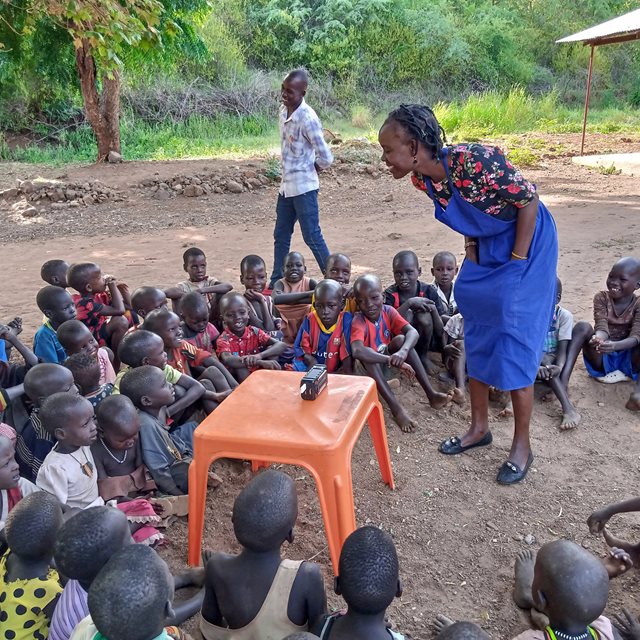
453, 446
511, 473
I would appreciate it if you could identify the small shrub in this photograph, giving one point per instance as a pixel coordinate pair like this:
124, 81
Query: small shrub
608, 171
523, 157
361, 117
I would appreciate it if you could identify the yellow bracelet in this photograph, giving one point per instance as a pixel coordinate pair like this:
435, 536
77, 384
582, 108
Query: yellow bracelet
517, 257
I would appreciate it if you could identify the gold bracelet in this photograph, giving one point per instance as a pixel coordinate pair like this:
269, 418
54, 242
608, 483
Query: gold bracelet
471, 243
517, 257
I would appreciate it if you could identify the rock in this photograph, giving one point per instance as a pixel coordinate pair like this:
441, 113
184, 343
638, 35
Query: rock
71, 194
73, 204
26, 186
87, 199
339, 182
9, 194
29, 212
193, 191
148, 182
394, 235
56, 206
388, 198
177, 187
163, 185
254, 182
250, 174
370, 169
162, 194
375, 175
234, 187
214, 480
529, 539
196, 180
114, 157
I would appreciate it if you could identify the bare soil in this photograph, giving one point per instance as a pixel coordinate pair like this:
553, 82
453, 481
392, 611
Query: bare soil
456, 530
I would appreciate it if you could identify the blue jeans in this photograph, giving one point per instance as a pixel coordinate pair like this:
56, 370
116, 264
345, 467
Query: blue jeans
304, 209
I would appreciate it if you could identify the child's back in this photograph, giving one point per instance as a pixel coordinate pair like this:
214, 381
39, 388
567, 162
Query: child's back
257, 595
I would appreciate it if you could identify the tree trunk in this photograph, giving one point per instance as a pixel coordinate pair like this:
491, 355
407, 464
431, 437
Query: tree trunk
102, 111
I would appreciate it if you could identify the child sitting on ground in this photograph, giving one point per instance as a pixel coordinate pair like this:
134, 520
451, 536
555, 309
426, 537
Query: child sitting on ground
262, 312
117, 451
418, 303
75, 337
339, 269
132, 598
166, 455
54, 272
325, 334
243, 348
147, 299
381, 336
86, 375
58, 307
85, 544
196, 328
102, 312
611, 349
566, 585
182, 356
368, 581
258, 592
454, 356
195, 265
34, 442
13, 487
29, 585
444, 269
146, 348
292, 295
12, 374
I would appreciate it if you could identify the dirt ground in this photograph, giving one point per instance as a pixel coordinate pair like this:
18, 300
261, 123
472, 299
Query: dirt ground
456, 530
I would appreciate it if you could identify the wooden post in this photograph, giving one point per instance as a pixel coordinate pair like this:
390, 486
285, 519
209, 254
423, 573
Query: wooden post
586, 103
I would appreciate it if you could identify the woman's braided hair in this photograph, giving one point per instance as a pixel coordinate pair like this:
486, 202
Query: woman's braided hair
421, 123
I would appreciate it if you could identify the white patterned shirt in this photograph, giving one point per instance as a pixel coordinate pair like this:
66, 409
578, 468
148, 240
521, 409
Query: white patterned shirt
302, 145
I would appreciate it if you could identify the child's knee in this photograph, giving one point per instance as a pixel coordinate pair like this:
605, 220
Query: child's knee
396, 344
582, 330
117, 324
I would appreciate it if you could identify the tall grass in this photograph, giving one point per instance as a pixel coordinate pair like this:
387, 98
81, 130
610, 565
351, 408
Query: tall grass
486, 115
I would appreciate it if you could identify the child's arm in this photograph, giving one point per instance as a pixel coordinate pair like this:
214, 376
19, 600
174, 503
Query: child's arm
598, 519
210, 608
265, 316
116, 308
194, 391
174, 293
155, 460
609, 346
316, 596
279, 297
219, 288
30, 358
411, 336
367, 355
273, 350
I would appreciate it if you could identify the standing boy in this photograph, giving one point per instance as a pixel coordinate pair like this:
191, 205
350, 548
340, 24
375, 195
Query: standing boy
304, 153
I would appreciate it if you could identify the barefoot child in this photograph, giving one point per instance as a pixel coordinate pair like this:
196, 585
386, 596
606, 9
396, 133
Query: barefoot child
34, 441
99, 304
132, 598
166, 455
262, 312
257, 592
117, 451
86, 375
243, 348
325, 334
57, 306
444, 269
368, 581
292, 295
611, 348
29, 585
567, 585
454, 357
183, 356
195, 265
381, 336
196, 328
75, 337
418, 303
54, 272
339, 269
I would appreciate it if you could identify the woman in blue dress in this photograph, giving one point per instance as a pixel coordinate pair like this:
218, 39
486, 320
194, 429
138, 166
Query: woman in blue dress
506, 286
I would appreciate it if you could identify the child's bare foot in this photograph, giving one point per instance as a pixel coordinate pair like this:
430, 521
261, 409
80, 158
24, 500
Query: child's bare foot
459, 396
633, 550
441, 623
633, 403
404, 420
496, 395
269, 364
570, 420
525, 562
439, 400
429, 366
539, 619
219, 396
507, 412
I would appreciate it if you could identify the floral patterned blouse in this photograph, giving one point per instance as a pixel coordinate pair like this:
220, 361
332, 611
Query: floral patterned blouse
485, 178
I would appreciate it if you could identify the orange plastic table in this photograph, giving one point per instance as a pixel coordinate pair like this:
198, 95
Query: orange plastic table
265, 419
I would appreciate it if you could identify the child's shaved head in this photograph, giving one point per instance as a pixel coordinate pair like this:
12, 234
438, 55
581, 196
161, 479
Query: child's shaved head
51, 297
32, 526
367, 281
87, 541
629, 265
405, 256
80, 274
193, 303
54, 272
137, 382
251, 262
46, 379
146, 299
441, 256
192, 252
135, 347
265, 512
131, 597
368, 571
570, 584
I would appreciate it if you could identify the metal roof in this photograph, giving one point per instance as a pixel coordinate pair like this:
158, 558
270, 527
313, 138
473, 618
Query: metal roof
620, 29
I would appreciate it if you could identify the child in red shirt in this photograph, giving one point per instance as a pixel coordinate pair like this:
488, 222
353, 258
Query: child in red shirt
381, 336
243, 348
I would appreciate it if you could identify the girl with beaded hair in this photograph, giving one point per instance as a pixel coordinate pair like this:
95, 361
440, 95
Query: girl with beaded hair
506, 286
